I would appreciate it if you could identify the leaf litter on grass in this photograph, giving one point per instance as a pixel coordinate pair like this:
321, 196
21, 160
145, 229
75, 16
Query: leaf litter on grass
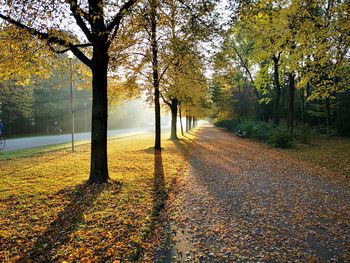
48, 212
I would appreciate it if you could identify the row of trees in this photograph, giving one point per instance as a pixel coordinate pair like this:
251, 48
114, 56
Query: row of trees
286, 60
282, 61
149, 45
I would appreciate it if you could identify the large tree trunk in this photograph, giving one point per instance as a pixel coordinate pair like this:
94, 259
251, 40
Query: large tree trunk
99, 166
173, 107
157, 143
276, 105
154, 44
291, 89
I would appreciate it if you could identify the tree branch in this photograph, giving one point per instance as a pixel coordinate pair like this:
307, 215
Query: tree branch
50, 39
114, 24
77, 12
187, 6
67, 49
247, 70
165, 69
166, 102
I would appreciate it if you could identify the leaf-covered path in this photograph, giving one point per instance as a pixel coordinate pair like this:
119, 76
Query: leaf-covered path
245, 201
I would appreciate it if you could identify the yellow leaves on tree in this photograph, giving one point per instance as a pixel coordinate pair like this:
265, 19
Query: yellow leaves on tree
22, 57
120, 90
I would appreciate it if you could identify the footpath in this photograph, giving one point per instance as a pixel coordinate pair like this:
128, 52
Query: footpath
243, 201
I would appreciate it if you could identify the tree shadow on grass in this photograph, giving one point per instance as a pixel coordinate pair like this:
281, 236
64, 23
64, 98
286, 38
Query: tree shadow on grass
159, 193
81, 199
183, 145
159, 198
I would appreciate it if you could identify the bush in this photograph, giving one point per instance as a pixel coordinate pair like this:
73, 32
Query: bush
304, 134
227, 124
256, 130
281, 138
262, 131
246, 127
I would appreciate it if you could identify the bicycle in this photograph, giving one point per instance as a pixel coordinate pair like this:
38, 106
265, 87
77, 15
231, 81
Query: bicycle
2, 142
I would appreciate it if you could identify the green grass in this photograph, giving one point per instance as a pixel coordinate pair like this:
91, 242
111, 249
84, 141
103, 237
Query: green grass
20, 153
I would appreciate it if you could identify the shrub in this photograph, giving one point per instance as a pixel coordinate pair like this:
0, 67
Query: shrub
246, 127
262, 131
304, 134
256, 130
281, 138
227, 124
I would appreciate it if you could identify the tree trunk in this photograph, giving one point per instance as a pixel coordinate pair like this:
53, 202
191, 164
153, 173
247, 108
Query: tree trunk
302, 97
276, 105
154, 44
307, 94
99, 166
328, 115
173, 107
190, 122
291, 88
283, 105
157, 143
187, 128
182, 129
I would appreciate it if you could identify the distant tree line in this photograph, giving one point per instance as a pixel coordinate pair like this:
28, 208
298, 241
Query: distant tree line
33, 109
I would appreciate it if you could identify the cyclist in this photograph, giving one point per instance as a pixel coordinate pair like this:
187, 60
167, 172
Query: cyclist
55, 128
2, 133
2, 129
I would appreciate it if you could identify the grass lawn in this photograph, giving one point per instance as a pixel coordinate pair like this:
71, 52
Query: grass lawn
49, 213
332, 153
6, 155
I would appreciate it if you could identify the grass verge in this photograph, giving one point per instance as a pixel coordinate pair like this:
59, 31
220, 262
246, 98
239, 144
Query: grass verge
21, 153
48, 212
332, 153
7, 155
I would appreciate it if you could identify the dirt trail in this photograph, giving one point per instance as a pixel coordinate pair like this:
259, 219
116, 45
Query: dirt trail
243, 201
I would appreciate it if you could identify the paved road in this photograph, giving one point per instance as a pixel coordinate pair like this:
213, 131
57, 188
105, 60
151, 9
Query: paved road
30, 142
